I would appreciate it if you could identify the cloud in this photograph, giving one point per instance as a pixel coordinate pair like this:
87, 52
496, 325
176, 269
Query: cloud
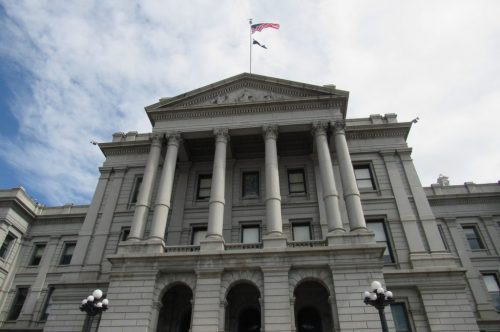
92, 66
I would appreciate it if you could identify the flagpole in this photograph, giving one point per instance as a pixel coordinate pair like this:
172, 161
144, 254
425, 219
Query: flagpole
250, 43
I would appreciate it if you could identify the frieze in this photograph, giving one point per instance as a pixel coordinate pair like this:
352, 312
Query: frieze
442, 201
375, 133
123, 151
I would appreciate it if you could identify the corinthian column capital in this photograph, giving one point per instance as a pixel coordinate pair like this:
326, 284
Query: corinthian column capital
339, 127
270, 131
319, 128
174, 138
156, 139
221, 135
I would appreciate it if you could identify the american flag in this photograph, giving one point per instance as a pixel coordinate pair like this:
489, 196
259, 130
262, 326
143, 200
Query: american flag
261, 26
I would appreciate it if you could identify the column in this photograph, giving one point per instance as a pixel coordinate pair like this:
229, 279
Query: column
164, 195
351, 192
273, 197
330, 194
146, 191
216, 204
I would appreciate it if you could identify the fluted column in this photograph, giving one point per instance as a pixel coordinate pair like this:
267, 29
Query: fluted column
273, 197
351, 192
330, 194
216, 204
163, 198
146, 191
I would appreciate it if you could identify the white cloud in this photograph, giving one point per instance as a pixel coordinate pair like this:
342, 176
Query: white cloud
95, 65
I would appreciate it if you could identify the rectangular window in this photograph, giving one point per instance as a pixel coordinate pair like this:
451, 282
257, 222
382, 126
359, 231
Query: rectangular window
378, 227
204, 185
473, 238
124, 233
250, 234
135, 190
400, 316
296, 181
17, 304
250, 185
69, 249
493, 287
37, 254
7, 245
301, 231
199, 234
45, 314
364, 177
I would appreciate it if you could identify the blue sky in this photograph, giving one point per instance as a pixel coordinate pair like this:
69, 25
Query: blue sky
76, 71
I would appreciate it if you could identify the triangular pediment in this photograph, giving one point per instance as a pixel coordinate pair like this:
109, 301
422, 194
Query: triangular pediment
246, 88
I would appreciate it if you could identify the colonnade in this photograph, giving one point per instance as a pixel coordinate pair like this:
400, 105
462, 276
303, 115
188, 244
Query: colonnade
272, 196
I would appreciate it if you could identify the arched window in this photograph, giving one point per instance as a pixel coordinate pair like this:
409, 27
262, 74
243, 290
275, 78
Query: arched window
243, 309
312, 309
175, 314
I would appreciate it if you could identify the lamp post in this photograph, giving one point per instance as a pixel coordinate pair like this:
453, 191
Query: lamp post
379, 298
93, 306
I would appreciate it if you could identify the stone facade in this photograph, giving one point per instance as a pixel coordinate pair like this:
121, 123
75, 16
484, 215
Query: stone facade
254, 203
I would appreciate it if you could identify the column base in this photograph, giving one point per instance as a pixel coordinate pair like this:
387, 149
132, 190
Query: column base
274, 241
354, 237
212, 244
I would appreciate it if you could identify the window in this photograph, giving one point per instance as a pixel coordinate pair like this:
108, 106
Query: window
400, 316
17, 304
492, 285
472, 236
296, 181
250, 234
135, 191
68, 250
301, 231
443, 237
378, 227
199, 234
204, 185
124, 233
37, 254
364, 177
45, 314
7, 245
250, 184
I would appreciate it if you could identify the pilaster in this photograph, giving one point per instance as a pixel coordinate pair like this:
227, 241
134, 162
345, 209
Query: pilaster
276, 309
207, 301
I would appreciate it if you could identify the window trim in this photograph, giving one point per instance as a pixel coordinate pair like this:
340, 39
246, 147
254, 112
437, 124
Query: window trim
388, 239
407, 314
251, 225
296, 223
250, 172
493, 295
65, 245
48, 296
196, 228
477, 233
123, 230
36, 246
136, 188
365, 165
198, 183
15, 300
292, 170
443, 237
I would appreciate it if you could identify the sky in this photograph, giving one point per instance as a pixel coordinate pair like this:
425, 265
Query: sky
76, 71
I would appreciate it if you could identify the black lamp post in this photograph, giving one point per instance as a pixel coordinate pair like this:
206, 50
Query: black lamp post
93, 306
379, 298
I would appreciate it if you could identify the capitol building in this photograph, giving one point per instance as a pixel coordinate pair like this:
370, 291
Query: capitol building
256, 204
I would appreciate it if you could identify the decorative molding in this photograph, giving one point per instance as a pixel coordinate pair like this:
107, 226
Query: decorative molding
221, 135
441, 201
173, 138
339, 127
270, 132
320, 128
166, 281
230, 278
353, 133
320, 275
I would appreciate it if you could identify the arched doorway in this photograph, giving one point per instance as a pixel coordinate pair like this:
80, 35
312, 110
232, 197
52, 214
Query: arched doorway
175, 314
312, 308
243, 309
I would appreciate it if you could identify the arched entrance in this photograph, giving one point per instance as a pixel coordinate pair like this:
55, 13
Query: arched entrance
312, 309
175, 314
243, 309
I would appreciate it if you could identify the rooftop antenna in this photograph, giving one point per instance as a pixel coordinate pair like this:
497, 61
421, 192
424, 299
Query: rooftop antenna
415, 120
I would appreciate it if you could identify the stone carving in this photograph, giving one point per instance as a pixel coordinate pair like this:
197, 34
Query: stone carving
339, 127
319, 128
173, 137
270, 131
165, 281
229, 278
320, 275
221, 134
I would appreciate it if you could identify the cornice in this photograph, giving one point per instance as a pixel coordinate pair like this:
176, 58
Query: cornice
465, 199
123, 148
211, 111
400, 129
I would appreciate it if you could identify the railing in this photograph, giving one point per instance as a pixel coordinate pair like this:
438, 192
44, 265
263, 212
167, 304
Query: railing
303, 244
238, 246
171, 249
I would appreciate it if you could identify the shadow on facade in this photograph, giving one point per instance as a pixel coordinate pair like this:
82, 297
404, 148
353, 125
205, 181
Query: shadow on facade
312, 308
243, 309
175, 314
